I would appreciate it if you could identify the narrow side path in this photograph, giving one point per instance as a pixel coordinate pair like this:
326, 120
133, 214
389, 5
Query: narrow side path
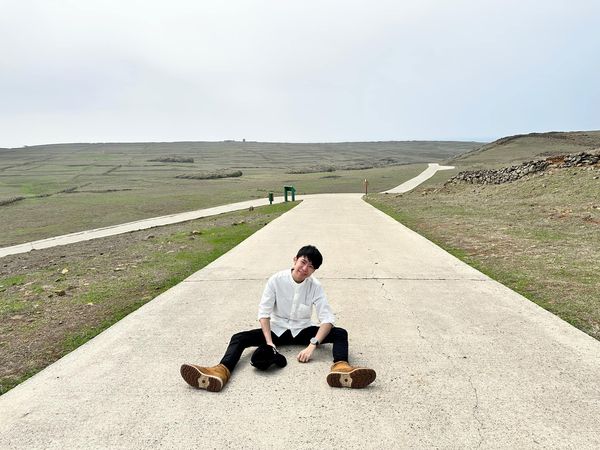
422, 177
130, 226
462, 361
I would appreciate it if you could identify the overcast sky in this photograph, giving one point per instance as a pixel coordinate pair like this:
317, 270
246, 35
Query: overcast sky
295, 71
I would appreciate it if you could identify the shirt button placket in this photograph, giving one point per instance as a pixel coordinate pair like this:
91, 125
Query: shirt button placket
294, 312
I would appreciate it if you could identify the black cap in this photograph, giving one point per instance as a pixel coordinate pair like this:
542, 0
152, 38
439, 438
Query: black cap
265, 356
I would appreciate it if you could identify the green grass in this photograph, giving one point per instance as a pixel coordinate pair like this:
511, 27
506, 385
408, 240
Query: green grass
6, 384
98, 293
77, 339
11, 305
15, 280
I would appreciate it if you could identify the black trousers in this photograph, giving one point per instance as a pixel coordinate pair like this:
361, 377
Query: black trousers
253, 338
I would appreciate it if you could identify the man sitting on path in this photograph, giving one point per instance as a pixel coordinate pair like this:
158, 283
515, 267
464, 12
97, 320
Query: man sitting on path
284, 313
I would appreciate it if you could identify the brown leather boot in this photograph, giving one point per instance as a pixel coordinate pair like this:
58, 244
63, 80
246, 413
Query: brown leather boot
344, 375
212, 379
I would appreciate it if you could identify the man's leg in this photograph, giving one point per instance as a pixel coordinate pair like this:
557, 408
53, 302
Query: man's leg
241, 341
342, 374
214, 378
337, 336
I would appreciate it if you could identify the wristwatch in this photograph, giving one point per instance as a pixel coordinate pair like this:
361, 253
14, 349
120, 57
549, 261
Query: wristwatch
314, 341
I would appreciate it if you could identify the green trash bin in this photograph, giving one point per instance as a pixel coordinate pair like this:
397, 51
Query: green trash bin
290, 189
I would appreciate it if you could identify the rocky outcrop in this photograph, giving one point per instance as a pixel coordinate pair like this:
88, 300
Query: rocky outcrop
513, 173
211, 175
576, 160
173, 159
8, 201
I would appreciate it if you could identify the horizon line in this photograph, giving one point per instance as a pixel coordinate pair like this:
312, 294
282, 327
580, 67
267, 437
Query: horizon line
247, 141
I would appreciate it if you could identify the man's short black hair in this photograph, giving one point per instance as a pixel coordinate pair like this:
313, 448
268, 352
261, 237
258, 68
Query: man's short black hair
311, 253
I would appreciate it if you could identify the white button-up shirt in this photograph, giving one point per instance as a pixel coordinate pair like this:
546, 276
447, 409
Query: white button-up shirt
289, 304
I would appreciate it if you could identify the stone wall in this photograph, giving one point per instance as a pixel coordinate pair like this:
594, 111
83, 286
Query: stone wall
508, 174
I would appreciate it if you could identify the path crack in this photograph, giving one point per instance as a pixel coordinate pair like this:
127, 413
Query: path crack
475, 409
476, 412
386, 293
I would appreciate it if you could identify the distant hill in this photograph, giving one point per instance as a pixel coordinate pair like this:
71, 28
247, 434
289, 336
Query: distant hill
525, 147
242, 154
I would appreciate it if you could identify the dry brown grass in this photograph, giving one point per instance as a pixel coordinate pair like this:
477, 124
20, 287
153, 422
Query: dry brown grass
538, 235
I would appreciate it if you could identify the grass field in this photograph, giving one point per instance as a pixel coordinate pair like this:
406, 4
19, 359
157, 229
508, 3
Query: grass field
514, 150
108, 184
538, 235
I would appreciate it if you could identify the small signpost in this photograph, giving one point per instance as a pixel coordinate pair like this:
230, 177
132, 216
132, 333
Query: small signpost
290, 189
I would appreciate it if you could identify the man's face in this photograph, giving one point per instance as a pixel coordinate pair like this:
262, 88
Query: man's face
302, 269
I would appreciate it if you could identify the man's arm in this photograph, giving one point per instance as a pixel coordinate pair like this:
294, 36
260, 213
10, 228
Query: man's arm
265, 308
265, 325
306, 354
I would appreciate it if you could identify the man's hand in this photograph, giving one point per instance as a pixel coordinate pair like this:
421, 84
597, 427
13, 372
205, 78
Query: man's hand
304, 355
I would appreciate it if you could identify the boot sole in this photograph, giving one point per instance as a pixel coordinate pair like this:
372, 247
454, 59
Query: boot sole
196, 378
355, 379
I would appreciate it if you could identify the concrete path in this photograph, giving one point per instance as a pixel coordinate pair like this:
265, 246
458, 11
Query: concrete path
177, 218
462, 361
414, 182
130, 226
